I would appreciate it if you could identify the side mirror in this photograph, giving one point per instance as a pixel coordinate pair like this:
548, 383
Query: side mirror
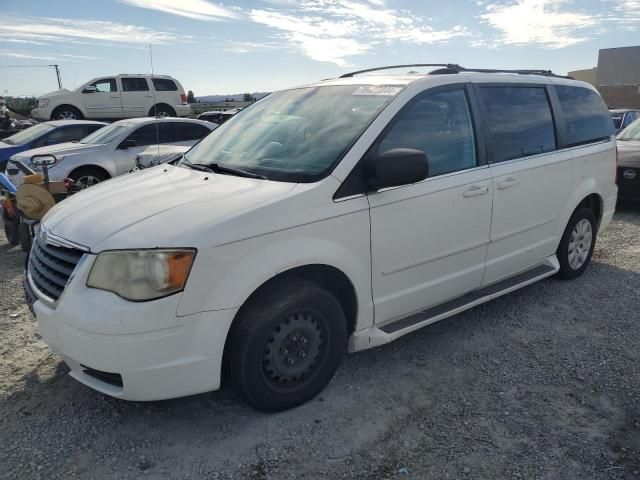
90, 89
127, 144
395, 167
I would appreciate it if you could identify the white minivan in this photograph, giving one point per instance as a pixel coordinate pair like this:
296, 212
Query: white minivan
115, 97
323, 219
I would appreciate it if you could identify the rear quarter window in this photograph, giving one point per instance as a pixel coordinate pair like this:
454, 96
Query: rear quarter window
164, 85
586, 116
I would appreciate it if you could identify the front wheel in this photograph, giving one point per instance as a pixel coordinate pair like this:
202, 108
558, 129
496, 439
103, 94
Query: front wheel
86, 177
577, 244
286, 345
66, 112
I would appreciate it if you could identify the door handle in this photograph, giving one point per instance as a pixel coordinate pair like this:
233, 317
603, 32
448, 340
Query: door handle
476, 190
114, 96
149, 96
508, 183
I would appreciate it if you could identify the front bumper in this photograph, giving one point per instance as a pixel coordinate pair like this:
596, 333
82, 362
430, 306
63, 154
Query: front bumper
155, 354
41, 113
629, 183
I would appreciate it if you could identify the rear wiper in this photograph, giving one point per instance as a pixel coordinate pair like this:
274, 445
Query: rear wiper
216, 167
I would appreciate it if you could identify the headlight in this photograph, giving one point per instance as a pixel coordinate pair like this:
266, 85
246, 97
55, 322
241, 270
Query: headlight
43, 102
139, 275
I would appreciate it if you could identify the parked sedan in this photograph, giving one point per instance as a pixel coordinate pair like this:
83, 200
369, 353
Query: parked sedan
623, 117
629, 162
112, 150
43, 134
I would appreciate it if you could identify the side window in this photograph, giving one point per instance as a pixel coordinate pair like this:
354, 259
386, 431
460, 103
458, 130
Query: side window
167, 132
67, 134
134, 84
186, 131
519, 120
106, 85
440, 125
144, 136
585, 114
164, 85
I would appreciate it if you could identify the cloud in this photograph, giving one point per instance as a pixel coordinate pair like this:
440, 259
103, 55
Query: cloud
333, 30
45, 56
542, 22
248, 47
41, 29
196, 9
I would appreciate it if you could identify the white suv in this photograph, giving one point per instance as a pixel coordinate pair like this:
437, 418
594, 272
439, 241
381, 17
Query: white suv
323, 219
119, 96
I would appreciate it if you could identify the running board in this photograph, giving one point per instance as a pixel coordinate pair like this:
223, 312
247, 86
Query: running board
374, 336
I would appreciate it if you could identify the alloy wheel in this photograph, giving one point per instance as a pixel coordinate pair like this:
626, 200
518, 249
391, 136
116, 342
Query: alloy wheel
580, 244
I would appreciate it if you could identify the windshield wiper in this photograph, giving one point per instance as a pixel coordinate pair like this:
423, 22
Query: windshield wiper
216, 167
195, 166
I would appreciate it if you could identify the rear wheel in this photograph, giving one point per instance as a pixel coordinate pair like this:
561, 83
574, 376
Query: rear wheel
286, 345
162, 110
66, 112
577, 244
11, 231
85, 177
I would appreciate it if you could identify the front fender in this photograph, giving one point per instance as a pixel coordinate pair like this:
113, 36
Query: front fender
224, 277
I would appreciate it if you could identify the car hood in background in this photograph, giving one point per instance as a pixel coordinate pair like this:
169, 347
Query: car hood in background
629, 153
62, 91
155, 208
67, 148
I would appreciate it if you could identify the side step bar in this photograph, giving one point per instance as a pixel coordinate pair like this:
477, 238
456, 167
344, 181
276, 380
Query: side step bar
374, 336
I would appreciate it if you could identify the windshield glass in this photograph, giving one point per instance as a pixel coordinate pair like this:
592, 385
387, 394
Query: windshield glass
29, 134
295, 135
632, 132
617, 119
105, 134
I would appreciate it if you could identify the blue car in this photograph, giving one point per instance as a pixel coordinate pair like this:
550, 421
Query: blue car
43, 134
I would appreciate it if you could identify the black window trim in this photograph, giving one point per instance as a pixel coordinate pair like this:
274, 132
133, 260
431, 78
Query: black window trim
558, 121
122, 79
354, 184
563, 143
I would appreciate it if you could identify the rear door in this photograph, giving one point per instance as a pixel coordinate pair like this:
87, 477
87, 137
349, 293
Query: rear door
137, 98
532, 180
105, 102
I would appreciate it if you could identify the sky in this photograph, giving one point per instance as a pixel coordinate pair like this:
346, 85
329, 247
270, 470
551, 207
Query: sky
240, 46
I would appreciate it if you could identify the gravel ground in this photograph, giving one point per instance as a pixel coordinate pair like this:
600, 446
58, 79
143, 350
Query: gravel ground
540, 384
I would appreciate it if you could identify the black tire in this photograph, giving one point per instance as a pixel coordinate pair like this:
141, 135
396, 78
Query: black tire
66, 112
25, 236
87, 176
11, 231
162, 110
570, 269
292, 320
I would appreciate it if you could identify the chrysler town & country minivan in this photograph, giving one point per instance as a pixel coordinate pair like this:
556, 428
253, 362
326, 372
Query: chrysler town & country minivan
329, 218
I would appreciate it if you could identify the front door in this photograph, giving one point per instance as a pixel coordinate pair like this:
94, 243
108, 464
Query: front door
532, 181
137, 99
105, 102
429, 240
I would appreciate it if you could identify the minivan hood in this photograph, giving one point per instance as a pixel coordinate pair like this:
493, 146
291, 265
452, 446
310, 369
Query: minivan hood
62, 91
127, 212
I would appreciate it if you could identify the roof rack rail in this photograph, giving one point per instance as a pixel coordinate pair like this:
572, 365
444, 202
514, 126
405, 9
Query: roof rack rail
544, 73
452, 68
445, 65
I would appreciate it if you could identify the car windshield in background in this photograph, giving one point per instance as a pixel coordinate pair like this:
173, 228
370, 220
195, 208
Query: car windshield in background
295, 135
617, 119
105, 135
632, 132
29, 134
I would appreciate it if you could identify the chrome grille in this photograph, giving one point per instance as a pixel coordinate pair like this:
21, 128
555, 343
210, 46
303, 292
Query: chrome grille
50, 267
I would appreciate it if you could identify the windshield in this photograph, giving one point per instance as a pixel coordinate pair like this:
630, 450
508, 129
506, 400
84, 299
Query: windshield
105, 134
296, 135
632, 132
617, 119
29, 134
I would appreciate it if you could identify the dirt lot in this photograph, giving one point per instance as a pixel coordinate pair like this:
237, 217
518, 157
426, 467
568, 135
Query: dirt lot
540, 384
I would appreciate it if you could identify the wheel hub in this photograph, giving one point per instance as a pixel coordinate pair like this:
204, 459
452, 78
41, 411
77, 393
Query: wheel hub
580, 244
293, 348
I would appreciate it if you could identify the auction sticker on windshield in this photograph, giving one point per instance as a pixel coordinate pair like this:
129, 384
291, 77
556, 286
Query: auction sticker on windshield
385, 90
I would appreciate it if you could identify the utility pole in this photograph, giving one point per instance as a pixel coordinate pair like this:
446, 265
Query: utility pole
57, 75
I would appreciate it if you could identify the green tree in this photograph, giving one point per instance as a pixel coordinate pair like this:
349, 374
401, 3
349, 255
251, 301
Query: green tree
191, 98
248, 97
